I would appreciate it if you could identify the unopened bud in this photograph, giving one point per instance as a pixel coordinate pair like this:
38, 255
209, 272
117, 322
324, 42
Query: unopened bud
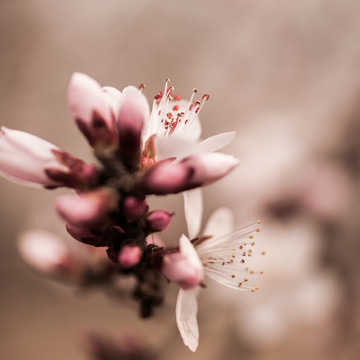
129, 256
86, 209
134, 207
166, 177
158, 220
184, 267
87, 236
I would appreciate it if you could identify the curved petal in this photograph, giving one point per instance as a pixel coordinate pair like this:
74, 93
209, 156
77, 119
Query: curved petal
186, 311
216, 142
180, 147
221, 222
193, 208
142, 101
173, 146
114, 97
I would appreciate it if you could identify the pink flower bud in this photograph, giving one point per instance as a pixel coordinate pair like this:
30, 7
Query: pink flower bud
86, 209
78, 175
183, 267
134, 207
129, 256
209, 167
130, 122
87, 236
166, 177
92, 111
48, 254
158, 220
24, 158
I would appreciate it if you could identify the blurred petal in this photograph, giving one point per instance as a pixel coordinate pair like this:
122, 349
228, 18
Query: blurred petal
186, 311
216, 142
221, 222
193, 206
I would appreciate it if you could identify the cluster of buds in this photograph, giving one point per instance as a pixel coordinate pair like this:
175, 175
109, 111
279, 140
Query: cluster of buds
139, 153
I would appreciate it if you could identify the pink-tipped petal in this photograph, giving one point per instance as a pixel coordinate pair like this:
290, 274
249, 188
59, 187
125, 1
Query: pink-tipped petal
186, 312
184, 267
86, 209
25, 157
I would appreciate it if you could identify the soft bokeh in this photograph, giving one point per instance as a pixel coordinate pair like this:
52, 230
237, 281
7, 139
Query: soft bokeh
286, 76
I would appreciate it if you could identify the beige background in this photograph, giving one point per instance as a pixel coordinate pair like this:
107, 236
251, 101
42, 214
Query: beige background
258, 60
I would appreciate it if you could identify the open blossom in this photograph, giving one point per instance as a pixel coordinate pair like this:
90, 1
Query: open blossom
29, 160
223, 254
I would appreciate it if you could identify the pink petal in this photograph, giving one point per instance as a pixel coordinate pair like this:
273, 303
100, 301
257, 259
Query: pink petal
209, 167
114, 98
24, 158
86, 209
141, 100
193, 206
186, 311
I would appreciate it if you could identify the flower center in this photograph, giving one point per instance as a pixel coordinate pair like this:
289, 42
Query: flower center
172, 115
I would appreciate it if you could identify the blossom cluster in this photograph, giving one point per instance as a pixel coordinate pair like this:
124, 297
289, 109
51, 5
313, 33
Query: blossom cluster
139, 153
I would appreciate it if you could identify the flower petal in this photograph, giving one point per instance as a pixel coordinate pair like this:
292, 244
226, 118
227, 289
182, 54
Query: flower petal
186, 311
216, 142
24, 158
193, 206
142, 102
221, 222
180, 147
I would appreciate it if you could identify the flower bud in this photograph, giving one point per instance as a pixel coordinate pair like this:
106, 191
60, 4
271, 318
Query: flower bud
183, 267
92, 111
48, 254
87, 236
166, 177
158, 220
29, 160
86, 209
209, 167
130, 122
134, 207
129, 256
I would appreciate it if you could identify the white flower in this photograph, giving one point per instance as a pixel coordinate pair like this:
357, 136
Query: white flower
176, 124
225, 257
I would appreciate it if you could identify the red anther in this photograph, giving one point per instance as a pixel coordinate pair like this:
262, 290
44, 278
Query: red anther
141, 86
177, 97
158, 101
197, 110
186, 121
191, 106
182, 114
175, 108
206, 97
159, 112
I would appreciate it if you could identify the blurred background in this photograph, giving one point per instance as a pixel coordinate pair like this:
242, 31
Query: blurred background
285, 75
